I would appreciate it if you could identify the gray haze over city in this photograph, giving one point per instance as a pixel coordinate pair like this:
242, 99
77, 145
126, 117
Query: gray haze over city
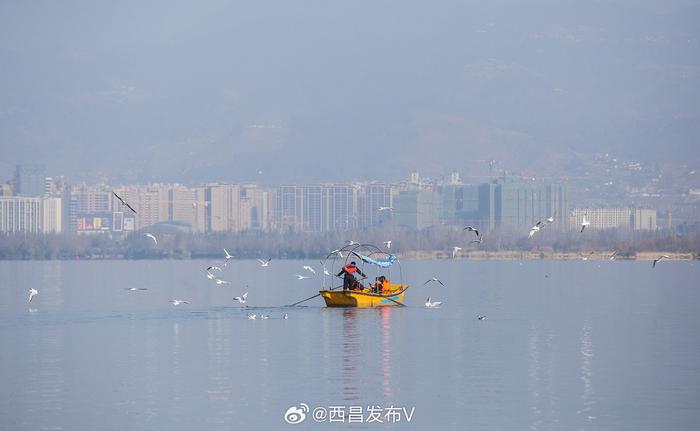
274, 92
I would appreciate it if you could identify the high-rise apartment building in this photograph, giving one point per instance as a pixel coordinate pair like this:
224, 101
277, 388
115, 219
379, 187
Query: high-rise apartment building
511, 203
90, 208
51, 215
417, 209
223, 212
614, 218
29, 180
259, 208
317, 208
371, 198
30, 214
460, 203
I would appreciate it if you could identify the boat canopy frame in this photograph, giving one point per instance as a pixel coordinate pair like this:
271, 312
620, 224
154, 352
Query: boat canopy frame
349, 253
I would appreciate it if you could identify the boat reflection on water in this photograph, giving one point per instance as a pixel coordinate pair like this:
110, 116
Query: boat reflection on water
354, 360
352, 354
385, 316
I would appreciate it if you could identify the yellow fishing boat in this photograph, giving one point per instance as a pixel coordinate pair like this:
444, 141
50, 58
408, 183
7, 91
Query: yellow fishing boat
365, 298
352, 293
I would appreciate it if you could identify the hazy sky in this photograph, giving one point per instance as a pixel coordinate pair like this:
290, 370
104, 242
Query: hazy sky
305, 90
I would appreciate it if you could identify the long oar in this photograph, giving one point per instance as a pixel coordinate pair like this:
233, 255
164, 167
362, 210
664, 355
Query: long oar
311, 297
318, 294
303, 300
400, 303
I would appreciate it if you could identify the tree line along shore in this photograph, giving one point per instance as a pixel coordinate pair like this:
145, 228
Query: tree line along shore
426, 244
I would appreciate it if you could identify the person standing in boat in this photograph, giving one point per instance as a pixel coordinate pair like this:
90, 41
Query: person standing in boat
348, 273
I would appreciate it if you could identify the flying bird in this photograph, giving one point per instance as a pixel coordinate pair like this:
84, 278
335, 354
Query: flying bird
178, 301
124, 202
241, 299
209, 268
134, 289
228, 255
325, 270
432, 304
472, 229
264, 316
351, 242
210, 276
286, 316
653, 265
301, 277
387, 244
535, 229
480, 317
264, 263
220, 281
310, 269
252, 316
612, 256
32, 293
455, 250
476, 241
550, 219
584, 223
338, 252
150, 235
433, 279
385, 209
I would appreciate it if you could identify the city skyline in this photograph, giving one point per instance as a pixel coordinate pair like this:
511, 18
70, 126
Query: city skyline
52, 205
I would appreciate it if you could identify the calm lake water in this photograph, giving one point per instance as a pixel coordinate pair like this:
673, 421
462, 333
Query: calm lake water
565, 346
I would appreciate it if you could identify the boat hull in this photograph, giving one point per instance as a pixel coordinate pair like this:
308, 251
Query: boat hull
349, 298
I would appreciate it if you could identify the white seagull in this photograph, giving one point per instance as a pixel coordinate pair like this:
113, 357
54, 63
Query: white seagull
385, 209
264, 263
584, 223
241, 299
432, 304
210, 276
178, 301
264, 316
653, 265
586, 257
285, 316
612, 256
228, 255
351, 242
550, 219
133, 289
325, 270
32, 293
252, 316
301, 277
535, 229
480, 317
455, 250
387, 244
219, 281
338, 252
310, 269
209, 268
433, 279
150, 235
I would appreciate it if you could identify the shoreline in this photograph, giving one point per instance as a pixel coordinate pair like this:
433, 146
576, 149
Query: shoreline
545, 255
439, 255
